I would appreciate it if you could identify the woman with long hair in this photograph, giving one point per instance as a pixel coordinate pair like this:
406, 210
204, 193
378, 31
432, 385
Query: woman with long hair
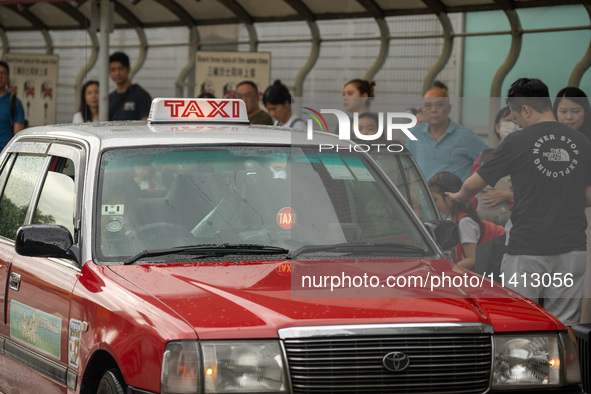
89, 101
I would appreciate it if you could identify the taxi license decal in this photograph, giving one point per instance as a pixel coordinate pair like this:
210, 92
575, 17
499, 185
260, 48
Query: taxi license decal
286, 218
116, 209
358, 168
36, 328
74, 342
312, 158
336, 168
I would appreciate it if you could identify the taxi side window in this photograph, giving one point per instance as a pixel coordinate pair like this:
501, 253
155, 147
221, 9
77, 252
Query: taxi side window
418, 193
17, 194
56, 203
407, 178
5, 170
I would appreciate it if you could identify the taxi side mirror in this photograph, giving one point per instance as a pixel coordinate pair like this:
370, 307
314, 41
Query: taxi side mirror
444, 232
45, 240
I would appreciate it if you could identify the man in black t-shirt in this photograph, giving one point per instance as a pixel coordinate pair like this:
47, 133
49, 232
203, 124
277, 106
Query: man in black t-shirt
129, 101
550, 169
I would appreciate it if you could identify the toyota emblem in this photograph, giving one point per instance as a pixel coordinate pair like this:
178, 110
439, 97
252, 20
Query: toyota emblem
396, 361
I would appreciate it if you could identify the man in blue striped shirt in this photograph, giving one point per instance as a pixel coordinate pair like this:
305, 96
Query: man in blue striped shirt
442, 144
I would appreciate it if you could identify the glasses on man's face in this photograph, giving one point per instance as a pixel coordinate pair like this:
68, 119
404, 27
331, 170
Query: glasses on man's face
438, 105
3, 73
245, 96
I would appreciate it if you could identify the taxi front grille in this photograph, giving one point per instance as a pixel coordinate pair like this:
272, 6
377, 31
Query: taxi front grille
437, 364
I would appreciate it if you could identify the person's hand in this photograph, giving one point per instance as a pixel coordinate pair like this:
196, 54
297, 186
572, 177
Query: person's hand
494, 197
458, 198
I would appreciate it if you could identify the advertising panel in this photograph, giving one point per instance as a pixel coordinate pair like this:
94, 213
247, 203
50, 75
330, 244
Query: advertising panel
34, 80
218, 73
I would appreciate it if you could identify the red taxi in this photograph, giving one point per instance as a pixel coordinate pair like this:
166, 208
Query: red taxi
197, 254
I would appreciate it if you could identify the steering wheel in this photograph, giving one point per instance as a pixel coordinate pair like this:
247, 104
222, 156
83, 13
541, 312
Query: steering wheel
160, 235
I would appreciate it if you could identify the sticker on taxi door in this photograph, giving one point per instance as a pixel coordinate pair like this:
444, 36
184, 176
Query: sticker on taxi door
74, 342
36, 328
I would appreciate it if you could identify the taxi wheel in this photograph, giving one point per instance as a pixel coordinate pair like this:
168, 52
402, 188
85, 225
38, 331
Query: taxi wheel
111, 383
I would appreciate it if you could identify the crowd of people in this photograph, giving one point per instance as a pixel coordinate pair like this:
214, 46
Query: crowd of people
535, 183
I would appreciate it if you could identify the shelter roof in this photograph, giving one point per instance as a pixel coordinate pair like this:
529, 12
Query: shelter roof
23, 15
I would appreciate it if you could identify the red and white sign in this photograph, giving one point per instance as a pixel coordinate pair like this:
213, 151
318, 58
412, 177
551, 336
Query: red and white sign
286, 218
198, 110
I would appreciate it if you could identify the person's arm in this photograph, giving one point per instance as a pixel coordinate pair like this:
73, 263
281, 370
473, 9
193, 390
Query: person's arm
469, 189
588, 196
496, 196
469, 260
19, 118
18, 126
146, 103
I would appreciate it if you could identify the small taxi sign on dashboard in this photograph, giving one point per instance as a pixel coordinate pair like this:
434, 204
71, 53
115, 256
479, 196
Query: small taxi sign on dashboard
177, 110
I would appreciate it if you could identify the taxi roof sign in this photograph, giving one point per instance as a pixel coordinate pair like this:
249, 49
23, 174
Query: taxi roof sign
180, 110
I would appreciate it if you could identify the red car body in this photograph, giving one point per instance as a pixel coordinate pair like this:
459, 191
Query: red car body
66, 321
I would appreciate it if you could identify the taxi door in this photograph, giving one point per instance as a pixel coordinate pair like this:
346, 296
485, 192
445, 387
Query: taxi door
40, 189
6, 249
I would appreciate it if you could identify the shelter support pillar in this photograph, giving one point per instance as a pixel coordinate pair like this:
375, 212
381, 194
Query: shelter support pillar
384, 49
139, 62
253, 38
445, 51
189, 68
105, 23
583, 65
87, 67
5, 42
503, 70
312, 58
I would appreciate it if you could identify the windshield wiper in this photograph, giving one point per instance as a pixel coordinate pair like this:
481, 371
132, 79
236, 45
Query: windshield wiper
363, 247
210, 249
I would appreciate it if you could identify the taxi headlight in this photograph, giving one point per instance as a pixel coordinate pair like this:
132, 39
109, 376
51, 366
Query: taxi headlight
534, 360
248, 366
572, 368
180, 368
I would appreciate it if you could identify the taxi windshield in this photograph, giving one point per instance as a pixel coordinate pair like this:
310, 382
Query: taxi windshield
289, 198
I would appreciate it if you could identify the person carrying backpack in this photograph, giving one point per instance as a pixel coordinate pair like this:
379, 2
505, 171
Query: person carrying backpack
473, 230
12, 114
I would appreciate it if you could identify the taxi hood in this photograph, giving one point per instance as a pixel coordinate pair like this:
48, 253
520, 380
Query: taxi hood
240, 299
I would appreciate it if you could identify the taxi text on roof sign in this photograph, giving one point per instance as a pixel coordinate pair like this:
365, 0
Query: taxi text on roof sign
198, 110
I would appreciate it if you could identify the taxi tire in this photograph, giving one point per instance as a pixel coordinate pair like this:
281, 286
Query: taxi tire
111, 383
